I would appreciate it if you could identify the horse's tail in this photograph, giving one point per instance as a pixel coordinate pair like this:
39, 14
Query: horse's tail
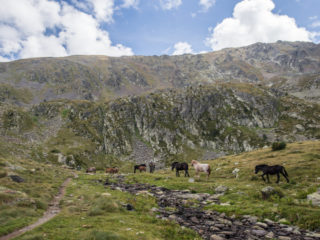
134, 169
209, 170
285, 172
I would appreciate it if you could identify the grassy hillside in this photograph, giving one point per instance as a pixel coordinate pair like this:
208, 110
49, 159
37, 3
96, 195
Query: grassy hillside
301, 160
91, 211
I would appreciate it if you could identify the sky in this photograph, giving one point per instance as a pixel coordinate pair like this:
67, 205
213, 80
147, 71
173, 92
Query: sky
56, 28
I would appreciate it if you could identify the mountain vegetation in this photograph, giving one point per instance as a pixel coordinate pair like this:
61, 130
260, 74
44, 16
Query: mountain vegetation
226, 107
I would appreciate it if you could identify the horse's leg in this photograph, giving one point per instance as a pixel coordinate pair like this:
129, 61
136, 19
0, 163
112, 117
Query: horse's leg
268, 178
278, 178
263, 177
186, 173
177, 173
284, 176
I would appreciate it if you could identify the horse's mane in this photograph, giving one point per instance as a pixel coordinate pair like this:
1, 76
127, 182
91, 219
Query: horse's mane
262, 165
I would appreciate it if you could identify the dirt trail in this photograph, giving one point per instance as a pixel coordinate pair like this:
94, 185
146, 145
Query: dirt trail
52, 211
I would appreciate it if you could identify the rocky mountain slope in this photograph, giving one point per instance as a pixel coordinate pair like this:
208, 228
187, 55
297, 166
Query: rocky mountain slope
83, 109
287, 67
161, 126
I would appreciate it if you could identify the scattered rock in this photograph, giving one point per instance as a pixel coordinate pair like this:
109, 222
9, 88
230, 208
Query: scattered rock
284, 238
221, 189
259, 233
106, 194
300, 128
314, 198
270, 235
191, 180
267, 192
263, 225
209, 224
129, 207
235, 172
216, 237
16, 178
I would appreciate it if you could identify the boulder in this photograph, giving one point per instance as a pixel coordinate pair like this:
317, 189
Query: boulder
221, 189
16, 178
314, 198
267, 192
259, 233
216, 237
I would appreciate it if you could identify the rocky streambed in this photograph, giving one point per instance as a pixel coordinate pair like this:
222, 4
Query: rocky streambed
186, 209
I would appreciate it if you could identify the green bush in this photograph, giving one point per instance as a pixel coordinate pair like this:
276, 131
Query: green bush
276, 146
41, 205
102, 206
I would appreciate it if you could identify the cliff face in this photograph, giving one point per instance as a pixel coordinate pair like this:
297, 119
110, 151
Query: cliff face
93, 109
167, 124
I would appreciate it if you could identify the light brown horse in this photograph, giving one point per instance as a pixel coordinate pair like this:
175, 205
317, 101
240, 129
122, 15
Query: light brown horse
201, 167
91, 170
112, 170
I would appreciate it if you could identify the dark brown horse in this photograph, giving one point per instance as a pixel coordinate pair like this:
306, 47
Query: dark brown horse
140, 167
272, 170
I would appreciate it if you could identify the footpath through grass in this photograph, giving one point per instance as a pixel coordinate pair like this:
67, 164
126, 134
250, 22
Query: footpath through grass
23, 203
91, 211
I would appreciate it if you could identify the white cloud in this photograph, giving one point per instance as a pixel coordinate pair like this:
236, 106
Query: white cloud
315, 24
130, 3
103, 9
313, 18
42, 46
206, 4
253, 21
32, 28
182, 48
170, 4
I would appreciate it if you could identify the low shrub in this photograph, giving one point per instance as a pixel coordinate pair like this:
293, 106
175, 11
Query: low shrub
3, 174
276, 146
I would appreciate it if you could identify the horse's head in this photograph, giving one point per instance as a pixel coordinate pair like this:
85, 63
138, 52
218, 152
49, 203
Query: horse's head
173, 165
193, 162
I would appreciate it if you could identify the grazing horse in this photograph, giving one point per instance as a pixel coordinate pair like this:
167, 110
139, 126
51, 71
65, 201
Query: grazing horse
272, 170
201, 167
152, 166
180, 166
91, 170
112, 170
140, 167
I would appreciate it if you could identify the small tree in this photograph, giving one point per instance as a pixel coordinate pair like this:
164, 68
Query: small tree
276, 146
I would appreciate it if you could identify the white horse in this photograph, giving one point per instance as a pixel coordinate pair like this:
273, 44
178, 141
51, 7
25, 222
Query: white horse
201, 167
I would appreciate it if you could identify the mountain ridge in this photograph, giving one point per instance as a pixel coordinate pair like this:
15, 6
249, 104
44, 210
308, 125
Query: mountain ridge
290, 67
